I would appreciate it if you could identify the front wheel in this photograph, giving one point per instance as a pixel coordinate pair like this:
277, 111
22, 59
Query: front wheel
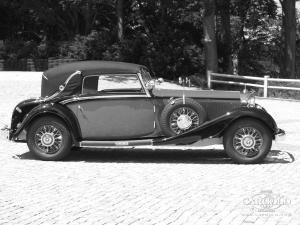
247, 141
49, 139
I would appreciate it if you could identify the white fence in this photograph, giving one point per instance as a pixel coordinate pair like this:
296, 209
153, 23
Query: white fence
264, 81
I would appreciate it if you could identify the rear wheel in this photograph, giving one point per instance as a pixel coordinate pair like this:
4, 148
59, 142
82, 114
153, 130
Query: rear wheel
49, 139
247, 141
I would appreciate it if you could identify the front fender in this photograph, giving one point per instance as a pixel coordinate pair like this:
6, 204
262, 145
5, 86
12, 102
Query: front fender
217, 126
45, 109
257, 112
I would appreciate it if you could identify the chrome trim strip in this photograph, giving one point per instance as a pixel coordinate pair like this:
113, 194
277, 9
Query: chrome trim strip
75, 99
201, 144
116, 144
110, 147
50, 97
71, 76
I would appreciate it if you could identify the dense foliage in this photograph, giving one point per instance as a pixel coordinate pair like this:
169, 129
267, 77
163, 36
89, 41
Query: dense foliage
165, 35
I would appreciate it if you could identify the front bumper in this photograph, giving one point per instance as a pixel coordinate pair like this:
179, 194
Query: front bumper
279, 135
280, 132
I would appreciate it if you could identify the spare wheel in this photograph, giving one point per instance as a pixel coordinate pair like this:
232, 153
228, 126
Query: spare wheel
181, 115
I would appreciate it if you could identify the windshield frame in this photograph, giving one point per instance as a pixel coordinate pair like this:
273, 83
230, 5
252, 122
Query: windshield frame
146, 76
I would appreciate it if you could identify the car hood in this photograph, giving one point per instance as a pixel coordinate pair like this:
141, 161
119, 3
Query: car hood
195, 93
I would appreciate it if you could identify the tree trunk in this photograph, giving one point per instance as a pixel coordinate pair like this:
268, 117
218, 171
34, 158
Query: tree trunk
120, 19
288, 38
226, 40
163, 13
209, 27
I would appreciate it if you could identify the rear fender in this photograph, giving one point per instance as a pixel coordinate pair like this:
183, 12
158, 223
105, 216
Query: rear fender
49, 109
217, 127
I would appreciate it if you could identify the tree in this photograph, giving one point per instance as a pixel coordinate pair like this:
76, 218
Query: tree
209, 29
288, 38
224, 37
120, 19
254, 35
63, 19
172, 37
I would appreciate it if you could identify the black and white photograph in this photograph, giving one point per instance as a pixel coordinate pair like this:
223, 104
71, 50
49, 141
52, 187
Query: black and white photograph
150, 112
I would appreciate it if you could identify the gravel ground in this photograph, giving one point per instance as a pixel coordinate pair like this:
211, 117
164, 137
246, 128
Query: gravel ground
148, 187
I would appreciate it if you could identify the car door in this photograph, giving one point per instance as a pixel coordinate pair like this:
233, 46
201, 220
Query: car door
113, 107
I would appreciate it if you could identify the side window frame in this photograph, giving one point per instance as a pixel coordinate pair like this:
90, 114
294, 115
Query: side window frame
144, 90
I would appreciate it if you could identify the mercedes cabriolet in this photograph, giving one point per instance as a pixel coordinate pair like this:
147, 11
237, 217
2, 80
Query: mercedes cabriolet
102, 104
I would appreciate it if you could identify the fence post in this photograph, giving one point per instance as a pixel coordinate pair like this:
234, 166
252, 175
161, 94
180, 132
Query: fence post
209, 79
266, 86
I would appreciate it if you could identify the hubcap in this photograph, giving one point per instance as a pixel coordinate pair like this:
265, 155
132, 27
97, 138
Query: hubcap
247, 141
184, 122
48, 139
183, 119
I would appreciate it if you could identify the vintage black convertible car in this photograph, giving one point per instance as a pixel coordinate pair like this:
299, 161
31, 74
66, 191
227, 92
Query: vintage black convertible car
100, 104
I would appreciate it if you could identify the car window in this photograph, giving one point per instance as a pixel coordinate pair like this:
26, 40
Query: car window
111, 83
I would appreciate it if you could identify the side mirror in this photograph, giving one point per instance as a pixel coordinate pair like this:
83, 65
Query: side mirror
160, 80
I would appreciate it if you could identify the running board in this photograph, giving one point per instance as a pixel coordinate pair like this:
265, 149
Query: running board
125, 143
148, 143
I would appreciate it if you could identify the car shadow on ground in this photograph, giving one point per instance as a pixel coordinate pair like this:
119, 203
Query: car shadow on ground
215, 156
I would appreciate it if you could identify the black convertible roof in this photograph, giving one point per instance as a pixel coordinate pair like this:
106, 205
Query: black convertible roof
56, 76
92, 67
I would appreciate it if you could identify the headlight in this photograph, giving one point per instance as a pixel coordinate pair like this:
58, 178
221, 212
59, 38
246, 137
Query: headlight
248, 99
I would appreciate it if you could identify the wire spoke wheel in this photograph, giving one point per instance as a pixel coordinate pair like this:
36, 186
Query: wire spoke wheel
183, 119
48, 139
248, 141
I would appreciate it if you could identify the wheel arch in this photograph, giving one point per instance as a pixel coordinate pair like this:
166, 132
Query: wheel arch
245, 117
59, 117
256, 113
54, 110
